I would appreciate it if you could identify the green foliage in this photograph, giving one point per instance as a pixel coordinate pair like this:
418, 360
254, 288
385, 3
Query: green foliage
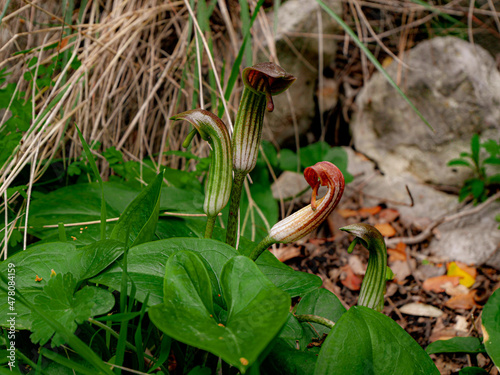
256, 308
482, 184
491, 327
456, 345
67, 307
380, 345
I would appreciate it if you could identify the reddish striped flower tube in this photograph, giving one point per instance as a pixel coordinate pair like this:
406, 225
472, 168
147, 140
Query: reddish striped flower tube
218, 187
304, 221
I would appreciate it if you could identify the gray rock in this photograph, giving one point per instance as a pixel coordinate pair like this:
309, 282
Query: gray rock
298, 53
457, 88
472, 239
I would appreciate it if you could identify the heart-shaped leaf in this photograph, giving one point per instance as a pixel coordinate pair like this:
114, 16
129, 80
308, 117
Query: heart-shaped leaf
323, 303
139, 219
256, 308
145, 267
365, 341
491, 327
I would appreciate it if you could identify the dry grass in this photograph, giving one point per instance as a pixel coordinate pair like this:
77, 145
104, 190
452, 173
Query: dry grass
140, 63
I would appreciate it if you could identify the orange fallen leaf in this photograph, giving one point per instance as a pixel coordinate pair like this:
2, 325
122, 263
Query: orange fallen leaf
436, 284
399, 253
369, 211
388, 215
349, 279
346, 212
386, 229
463, 301
467, 274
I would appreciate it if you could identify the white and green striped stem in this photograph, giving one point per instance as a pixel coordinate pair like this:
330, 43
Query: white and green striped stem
374, 283
218, 186
304, 221
261, 81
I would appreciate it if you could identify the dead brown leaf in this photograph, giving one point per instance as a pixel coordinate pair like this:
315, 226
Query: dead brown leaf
369, 211
436, 284
349, 279
346, 212
398, 253
388, 215
386, 229
463, 301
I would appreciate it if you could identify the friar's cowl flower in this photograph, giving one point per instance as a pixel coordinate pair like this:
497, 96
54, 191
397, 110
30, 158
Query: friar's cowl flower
213, 130
304, 221
261, 82
374, 282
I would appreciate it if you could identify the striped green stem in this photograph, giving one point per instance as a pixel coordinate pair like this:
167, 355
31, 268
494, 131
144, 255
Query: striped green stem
234, 205
209, 229
315, 319
374, 283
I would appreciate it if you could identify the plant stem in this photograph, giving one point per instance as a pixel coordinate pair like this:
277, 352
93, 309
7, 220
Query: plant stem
261, 247
210, 226
232, 223
315, 319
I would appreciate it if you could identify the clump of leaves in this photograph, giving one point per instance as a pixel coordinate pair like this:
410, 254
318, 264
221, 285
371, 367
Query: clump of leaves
484, 181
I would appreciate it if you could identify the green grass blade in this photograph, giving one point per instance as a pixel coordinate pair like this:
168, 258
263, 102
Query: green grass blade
73, 341
434, 10
235, 70
66, 362
4, 11
372, 58
93, 165
245, 28
139, 345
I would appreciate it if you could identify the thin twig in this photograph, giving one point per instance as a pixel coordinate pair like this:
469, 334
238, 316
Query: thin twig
427, 232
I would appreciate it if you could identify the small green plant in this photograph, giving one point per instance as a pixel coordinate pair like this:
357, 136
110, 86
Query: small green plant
484, 182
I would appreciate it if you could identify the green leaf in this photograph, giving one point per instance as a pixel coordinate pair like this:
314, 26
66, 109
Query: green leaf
58, 300
491, 147
472, 371
477, 188
257, 309
495, 179
491, 327
73, 341
459, 162
285, 360
474, 147
288, 160
365, 341
140, 217
284, 277
65, 366
323, 303
493, 160
456, 345
63, 258
200, 371
144, 263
